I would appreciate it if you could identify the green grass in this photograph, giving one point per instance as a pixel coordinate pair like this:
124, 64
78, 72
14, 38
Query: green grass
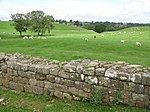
67, 43
23, 102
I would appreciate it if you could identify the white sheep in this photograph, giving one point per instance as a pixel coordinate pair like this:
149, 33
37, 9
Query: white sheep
0, 38
39, 37
86, 39
25, 37
4, 32
138, 43
31, 37
102, 35
122, 41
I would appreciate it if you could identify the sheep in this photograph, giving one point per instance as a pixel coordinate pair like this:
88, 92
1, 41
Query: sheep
122, 41
25, 37
4, 32
86, 39
102, 35
140, 32
138, 43
39, 37
0, 38
125, 32
31, 37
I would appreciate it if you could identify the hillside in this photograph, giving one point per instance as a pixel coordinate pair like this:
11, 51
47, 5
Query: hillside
67, 43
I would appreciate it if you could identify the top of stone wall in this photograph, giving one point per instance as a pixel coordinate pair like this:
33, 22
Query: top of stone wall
118, 70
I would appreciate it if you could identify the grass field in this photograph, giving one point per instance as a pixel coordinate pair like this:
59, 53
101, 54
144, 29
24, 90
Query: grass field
23, 102
67, 43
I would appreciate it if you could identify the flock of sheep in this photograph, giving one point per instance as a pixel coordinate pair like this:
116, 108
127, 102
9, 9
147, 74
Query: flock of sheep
86, 39
122, 41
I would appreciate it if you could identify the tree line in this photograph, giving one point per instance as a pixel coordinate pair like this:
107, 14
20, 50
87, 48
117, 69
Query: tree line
35, 21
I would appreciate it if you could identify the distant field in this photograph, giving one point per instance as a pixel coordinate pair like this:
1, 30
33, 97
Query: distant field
67, 43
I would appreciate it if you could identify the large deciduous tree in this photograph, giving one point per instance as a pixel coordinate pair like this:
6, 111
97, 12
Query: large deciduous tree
20, 23
39, 23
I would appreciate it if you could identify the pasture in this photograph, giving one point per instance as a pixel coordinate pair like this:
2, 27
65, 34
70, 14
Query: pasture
67, 43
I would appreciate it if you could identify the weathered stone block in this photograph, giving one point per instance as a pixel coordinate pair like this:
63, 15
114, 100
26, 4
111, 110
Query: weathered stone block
89, 71
59, 87
48, 85
33, 68
140, 97
54, 71
73, 90
111, 73
75, 76
50, 78
40, 77
22, 74
105, 81
12, 72
68, 83
91, 79
37, 90
24, 67
83, 93
30, 75
78, 85
147, 90
40, 84
4, 68
5, 83
63, 74
129, 86
123, 76
79, 69
16, 86
136, 77
139, 89
28, 88
69, 68
46, 70
100, 71
17, 67
58, 94
146, 79
59, 80
86, 87
33, 82
67, 96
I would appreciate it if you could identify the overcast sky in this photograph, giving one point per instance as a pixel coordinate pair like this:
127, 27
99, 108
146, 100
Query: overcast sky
135, 11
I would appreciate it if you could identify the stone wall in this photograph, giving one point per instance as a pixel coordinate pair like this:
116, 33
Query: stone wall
76, 79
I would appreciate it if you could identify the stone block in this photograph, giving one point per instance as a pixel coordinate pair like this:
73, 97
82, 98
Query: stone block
86, 87
67, 96
129, 86
105, 81
50, 78
111, 73
79, 69
73, 90
140, 97
5, 83
59, 87
68, 83
40, 84
12, 72
30, 75
22, 74
17, 67
75, 76
83, 93
89, 71
28, 88
38, 90
58, 94
33, 82
48, 85
59, 80
147, 90
123, 76
78, 85
16, 86
63, 74
139, 89
24, 67
136, 77
46, 70
100, 71
4, 68
69, 68
146, 79
54, 71
91, 80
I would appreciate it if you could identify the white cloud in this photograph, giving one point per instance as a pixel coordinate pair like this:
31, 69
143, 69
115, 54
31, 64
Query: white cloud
83, 10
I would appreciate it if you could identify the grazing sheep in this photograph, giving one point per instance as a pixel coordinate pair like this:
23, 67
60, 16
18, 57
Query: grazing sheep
140, 32
122, 41
25, 37
102, 35
0, 38
39, 37
125, 32
119, 32
4, 32
31, 37
86, 39
138, 43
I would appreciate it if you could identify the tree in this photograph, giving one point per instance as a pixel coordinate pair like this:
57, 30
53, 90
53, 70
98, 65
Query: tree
39, 23
100, 28
20, 23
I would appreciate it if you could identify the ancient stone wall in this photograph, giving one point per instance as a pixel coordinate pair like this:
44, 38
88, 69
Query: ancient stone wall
76, 79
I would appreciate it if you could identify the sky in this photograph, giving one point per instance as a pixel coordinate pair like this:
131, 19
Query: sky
134, 11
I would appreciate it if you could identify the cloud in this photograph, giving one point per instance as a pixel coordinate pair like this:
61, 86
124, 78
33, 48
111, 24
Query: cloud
83, 10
